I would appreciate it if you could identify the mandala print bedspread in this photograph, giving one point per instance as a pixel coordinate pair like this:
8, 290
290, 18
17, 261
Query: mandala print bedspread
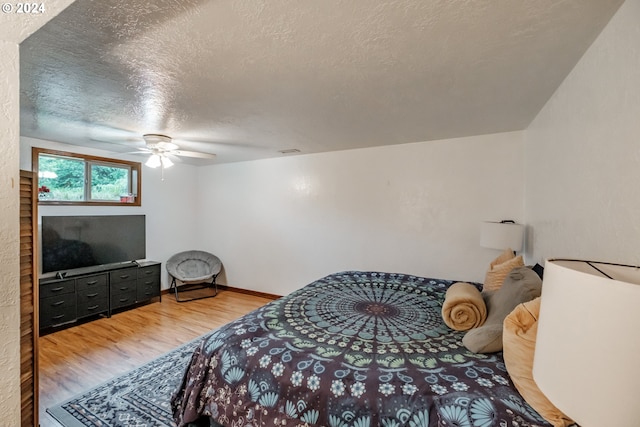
352, 349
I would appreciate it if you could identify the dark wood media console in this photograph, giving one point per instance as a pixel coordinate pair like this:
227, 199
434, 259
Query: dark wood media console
74, 297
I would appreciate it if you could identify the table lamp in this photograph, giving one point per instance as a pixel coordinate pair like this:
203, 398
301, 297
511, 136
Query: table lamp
502, 235
588, 343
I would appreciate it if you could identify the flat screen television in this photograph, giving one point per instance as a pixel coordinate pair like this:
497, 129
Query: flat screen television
70, 242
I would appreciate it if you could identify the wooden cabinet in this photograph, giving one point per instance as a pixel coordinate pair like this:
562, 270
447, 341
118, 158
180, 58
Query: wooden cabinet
92, 295
57, 303
64, 301
123, 287
57, 310
70, 299
135, 285
148, 282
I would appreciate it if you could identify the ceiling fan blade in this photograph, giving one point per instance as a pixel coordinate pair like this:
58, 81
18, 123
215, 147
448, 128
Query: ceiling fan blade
174, 158
195, 154
139, 151
117, 146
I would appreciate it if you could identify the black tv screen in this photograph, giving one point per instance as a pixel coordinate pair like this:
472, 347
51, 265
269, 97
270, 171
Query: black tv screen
70, 242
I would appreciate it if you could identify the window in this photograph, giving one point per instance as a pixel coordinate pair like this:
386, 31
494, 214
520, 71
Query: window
68, 178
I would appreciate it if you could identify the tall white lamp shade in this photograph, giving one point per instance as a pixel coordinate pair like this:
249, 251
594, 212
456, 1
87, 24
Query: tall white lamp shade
587, 358
501, 235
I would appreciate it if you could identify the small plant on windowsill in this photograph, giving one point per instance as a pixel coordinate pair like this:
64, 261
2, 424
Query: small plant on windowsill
44, 192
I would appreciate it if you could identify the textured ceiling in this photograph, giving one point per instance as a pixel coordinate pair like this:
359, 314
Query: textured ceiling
246, 78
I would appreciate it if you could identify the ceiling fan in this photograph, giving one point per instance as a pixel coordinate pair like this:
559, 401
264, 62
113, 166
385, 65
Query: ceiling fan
161, 148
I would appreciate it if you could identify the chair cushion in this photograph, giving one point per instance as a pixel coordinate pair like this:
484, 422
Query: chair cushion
193, 266
193, 269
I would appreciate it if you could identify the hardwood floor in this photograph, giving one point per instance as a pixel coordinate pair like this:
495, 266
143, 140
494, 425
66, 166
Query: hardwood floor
83, 356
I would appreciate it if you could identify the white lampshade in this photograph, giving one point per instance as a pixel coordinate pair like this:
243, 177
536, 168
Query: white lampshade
501, 235
166, 162
587, 347
154, 161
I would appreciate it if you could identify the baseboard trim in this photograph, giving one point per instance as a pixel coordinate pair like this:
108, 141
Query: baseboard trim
240, 291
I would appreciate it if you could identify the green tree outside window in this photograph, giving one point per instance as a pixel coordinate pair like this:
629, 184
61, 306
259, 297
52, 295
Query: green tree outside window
67, 178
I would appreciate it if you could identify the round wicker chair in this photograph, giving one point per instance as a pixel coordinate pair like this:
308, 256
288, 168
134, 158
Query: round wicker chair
194, 269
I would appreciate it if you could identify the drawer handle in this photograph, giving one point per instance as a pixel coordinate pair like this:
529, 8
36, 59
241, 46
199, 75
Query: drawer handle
149, 282
125, 276
93, 307
58, 289
124, 299
124, 288
148, 272
92, 295
57, 303
59, 316
93, 282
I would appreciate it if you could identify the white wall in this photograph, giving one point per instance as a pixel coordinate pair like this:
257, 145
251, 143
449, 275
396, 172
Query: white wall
13, 29
583, 153
279, 224
169, 205
10, 238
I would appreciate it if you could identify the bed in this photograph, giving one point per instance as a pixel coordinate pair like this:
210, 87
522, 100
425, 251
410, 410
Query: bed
351, 349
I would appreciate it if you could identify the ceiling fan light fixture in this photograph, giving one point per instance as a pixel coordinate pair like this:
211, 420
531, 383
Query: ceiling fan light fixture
162, 142
167, 146
161, 148
154, 161
166, 162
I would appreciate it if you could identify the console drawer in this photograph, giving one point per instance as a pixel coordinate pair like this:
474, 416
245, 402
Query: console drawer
124, 275
92, 294
90, 283
124, 287
57, 288
57, 310
148, 289
93, 306
151, 270
123, 299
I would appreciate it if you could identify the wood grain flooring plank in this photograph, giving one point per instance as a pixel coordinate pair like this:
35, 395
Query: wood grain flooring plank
79, 358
